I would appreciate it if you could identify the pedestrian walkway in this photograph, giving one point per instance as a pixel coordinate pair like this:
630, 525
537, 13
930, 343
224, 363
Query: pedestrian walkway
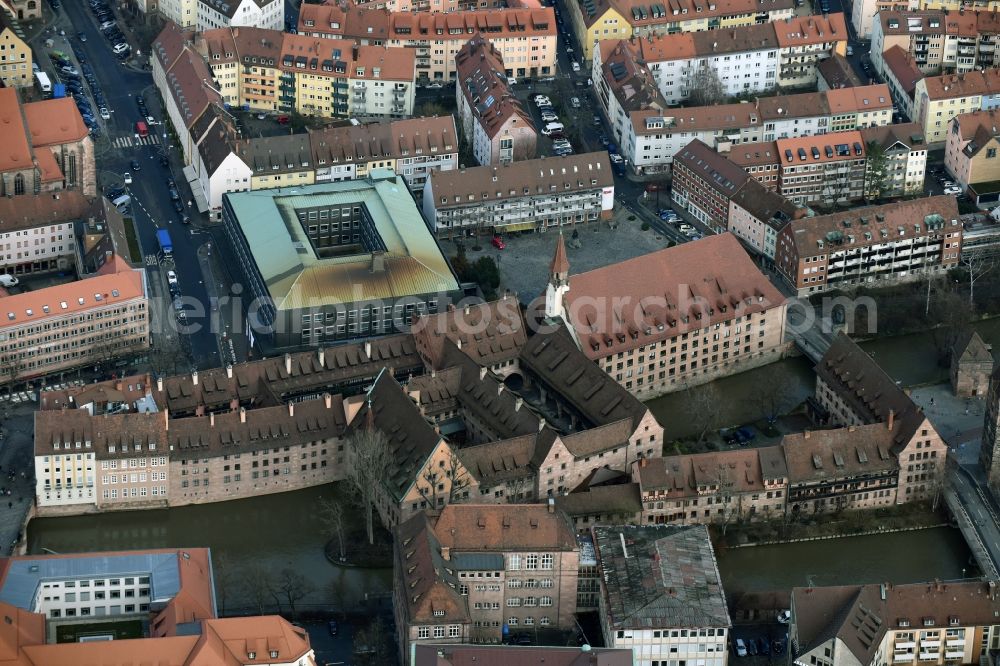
130, 141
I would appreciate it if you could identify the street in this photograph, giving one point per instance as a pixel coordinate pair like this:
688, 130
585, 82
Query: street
152, 208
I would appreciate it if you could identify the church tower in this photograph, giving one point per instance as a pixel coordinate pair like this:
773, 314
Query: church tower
558, 285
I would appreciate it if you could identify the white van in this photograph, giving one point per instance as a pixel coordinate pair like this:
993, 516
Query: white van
122, 202
552, 127
8, 281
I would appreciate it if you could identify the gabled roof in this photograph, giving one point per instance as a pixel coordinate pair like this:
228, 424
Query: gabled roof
712, 167
430, 585
481, 74
903, 68
504, 527
410, 437
665, 293
970, 348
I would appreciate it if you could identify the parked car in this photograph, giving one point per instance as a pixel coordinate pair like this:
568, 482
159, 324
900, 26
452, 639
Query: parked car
784, 616
174, 195
178, 206
764, 645
741, 648
333, 627
128, 178
574, 102
498, 243
549, 117
751, 647
105, 114
135, 165
171, 277
953, 189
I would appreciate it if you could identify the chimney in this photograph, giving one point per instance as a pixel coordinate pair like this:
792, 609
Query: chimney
288, 363
194, 377
368, 348
806, 434
892, 418
518, 401
541, 424
458, 343
211, 419
291, 409
446, 553
229, 370
243, 415
552, 505
328, 400
321, 353
159, 384
482, 374
499, 388
466, 309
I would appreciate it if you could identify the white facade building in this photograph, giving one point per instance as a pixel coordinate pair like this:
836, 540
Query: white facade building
268, 14
66, 477
743, 72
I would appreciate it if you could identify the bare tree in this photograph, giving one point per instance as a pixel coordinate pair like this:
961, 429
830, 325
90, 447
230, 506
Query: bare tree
773, 395
726, 484
257, 585
331, 515
701, 404
948, 317
455, 476
370, 643
704, 86
11, 366
225, 579
292, 586
518, 489
372, 457
976, 264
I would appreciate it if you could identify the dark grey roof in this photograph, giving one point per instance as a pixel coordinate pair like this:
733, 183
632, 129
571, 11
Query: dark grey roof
660, 576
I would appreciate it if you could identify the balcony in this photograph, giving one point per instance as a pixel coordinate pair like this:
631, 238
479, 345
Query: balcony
929, 656
955, 642
900, 658
954, 654
925, 643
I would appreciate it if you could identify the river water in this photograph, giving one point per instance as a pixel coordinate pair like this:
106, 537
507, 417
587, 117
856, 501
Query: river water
278, 531
934, 553
271, 532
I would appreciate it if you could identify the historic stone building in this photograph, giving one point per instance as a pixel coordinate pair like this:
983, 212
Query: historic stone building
971, 366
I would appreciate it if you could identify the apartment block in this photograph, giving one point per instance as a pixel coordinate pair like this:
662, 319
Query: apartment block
225, 162
933, 622
87, 322
595, 21
853, 390
169, 592
897, 242
824, 169
482, 569
901, 73
937, 39
472, 655
757, 214
649, 133
864, 14
703, 184
15, 56
970, 154
493, 118
747, 59
656, 607
682, 316
533, 195
524, 36
938, 99
897, 160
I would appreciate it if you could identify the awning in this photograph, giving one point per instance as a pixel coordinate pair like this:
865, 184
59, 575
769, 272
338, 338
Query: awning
520, 226
200, 200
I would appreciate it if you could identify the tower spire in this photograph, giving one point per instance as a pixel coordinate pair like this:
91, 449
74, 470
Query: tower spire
559, 268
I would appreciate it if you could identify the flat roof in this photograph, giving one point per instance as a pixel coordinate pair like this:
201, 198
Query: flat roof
297, 278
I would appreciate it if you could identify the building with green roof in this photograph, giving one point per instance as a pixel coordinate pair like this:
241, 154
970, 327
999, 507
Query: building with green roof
336, 261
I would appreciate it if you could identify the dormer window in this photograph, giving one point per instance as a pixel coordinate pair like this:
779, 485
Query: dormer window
251, 655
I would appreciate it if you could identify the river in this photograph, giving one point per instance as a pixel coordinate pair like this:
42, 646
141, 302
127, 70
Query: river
933, 553
271, 532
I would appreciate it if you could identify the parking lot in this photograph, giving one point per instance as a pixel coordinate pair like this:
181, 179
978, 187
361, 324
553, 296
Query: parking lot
524, 262
766, 643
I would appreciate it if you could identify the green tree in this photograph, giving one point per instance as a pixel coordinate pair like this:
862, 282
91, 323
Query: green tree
487, 276
876, 170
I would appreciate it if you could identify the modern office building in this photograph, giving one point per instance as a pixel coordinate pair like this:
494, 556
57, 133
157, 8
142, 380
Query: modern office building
336, 261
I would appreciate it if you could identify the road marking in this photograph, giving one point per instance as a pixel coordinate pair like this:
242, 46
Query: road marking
130, 141
151, 260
